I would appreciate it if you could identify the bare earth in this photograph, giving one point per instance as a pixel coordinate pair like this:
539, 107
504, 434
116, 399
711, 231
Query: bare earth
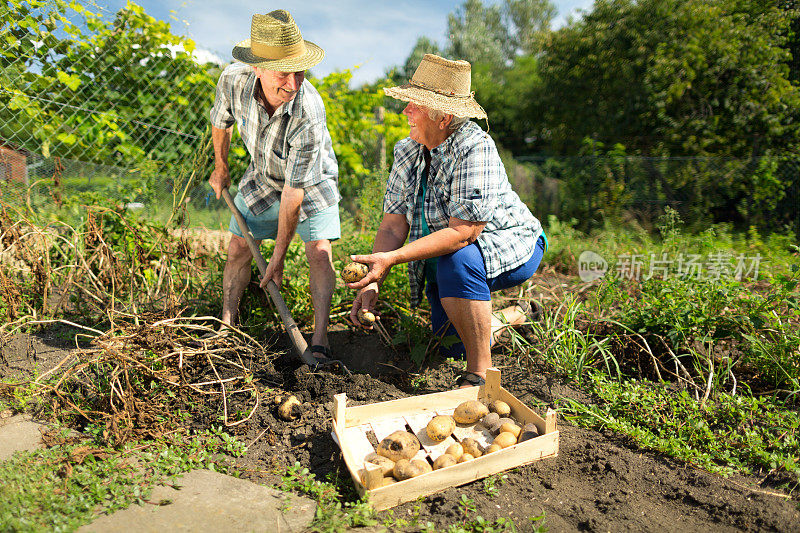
599, 482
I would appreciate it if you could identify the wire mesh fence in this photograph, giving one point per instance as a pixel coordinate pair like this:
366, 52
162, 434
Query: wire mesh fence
79, 82
114, 104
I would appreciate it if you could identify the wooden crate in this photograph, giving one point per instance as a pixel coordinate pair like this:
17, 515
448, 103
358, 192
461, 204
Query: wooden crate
351, 424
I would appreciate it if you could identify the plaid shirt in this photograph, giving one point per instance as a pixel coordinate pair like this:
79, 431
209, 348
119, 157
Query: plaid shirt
466, 180
293, 146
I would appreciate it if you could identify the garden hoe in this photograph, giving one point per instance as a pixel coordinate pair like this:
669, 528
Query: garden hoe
300, 345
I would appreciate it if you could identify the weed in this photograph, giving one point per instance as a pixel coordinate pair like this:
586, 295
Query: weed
332, 515
492, 483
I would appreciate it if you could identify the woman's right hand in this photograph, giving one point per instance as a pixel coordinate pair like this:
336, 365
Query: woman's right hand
365, 299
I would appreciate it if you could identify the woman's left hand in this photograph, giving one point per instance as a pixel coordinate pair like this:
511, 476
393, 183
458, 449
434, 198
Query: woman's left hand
379, 265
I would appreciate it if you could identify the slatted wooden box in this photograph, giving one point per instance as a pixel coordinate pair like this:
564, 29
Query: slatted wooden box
351, 424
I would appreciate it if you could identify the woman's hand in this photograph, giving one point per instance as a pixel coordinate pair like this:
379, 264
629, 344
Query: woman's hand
366, 300
379, 265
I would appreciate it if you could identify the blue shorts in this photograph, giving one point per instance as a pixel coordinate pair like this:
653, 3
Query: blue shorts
321, 225
462, 274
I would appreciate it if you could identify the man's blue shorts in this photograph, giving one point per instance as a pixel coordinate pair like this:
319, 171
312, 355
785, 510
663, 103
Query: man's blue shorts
462, 274
321, 225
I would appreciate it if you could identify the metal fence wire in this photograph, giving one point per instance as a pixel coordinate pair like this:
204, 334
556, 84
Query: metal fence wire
79, 82
93, 102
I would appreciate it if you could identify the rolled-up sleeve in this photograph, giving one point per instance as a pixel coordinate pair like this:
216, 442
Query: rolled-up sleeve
221, 112
474, 189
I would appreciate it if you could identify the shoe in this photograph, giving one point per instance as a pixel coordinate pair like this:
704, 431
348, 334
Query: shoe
321, 353
530, 309
470, 378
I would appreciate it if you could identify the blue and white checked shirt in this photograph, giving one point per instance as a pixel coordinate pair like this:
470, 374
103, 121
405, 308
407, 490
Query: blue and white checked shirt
466, 180
293, 146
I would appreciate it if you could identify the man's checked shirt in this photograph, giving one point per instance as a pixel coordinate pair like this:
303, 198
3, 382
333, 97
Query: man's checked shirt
293, 146
467, 181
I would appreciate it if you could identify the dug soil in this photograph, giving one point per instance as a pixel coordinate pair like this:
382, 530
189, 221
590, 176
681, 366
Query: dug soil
598, 482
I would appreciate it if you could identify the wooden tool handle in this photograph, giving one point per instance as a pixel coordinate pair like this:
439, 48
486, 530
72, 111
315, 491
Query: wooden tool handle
300, 344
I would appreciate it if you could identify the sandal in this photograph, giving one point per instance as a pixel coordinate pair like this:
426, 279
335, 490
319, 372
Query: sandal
530, 309
471, 379
321, 353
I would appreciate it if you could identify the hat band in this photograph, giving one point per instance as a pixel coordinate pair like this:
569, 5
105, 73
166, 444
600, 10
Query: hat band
278, 52
439, 91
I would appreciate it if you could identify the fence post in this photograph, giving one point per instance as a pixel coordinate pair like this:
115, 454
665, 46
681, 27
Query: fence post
380, 114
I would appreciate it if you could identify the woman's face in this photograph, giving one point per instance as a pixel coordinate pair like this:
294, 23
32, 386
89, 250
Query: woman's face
425, 131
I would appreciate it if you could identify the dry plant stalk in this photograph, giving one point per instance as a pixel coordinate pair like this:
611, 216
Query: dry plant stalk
133, 380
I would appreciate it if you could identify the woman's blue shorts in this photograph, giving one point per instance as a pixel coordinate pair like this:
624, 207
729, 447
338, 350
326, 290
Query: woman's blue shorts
462, 274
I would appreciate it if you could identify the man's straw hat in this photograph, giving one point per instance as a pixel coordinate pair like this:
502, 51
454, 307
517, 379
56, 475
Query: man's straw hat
275, 43
442, 84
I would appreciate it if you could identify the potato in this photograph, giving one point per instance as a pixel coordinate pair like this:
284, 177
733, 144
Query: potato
529, 431
399, 445
405, 469
290, 408
354, 272
500, 407
465, 457
504, 440
386, 464
455, 449
472, 447
493, 448
470, 412
440, 427
491, 421
510, 427
366, 318
443, 461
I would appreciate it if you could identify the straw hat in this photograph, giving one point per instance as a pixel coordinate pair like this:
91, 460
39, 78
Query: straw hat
275, 43
442, 84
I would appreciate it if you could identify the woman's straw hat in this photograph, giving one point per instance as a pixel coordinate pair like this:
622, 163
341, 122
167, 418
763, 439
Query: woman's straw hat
275, 43
442, 84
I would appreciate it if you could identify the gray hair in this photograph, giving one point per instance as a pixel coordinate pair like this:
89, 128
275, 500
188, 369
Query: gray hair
455, 123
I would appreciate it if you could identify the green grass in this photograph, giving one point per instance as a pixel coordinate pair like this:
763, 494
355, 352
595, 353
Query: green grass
728, 434
64, 487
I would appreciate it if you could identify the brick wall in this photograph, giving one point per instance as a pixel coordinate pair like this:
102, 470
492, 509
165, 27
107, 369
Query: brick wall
12, 165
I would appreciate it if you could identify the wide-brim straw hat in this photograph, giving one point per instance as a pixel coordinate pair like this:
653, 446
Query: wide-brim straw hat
441, 84
275, 43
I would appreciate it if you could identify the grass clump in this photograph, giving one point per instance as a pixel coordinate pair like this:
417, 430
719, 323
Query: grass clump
68, 485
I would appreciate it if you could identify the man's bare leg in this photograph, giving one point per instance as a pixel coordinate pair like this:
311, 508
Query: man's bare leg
235, 278
472, 320
322, 279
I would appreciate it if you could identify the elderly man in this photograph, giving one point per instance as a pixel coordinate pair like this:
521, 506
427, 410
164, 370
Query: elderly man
469, 233
291, 183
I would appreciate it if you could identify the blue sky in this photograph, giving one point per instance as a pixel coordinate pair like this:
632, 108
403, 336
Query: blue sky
375, 35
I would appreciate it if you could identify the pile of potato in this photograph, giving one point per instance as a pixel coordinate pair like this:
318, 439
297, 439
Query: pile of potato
395, 453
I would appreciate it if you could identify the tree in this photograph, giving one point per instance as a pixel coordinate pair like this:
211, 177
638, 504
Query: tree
671, 77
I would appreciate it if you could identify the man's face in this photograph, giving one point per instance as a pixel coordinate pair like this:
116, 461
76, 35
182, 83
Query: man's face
424, 130
279, 87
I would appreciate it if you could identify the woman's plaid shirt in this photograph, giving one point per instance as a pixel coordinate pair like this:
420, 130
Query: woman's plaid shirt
467, 181
293, 146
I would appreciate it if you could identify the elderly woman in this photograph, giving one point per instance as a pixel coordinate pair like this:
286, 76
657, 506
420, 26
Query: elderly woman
468, 232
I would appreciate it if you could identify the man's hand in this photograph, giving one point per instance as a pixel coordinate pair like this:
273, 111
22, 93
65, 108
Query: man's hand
274, 272
366, 300
220, 179
379, 265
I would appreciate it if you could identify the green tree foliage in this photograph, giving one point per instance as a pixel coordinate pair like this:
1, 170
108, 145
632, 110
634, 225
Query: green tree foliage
674, 77
81, 86
354, 131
